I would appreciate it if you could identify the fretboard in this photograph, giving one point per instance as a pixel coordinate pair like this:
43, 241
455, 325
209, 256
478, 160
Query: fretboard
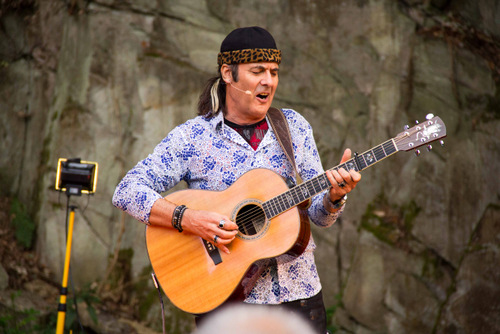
310, 188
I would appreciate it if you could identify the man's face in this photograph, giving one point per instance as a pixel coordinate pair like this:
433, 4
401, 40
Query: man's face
261, 79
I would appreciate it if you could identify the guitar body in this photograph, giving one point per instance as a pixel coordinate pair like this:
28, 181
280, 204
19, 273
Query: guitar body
195, 275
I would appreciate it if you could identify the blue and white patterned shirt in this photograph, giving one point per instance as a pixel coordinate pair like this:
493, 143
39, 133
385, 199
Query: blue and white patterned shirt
208, 154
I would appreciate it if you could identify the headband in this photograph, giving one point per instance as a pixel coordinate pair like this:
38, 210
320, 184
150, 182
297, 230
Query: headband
248, 45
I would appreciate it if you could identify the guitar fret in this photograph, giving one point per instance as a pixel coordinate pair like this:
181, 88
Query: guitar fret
305, 189
298, 193
318, 183
282, 202
379, 153
270, 208
349, 165
389, 147
299, 196
383, 150
361, 162
369, 158
304, 192
273, 208
288, 199
277, 204
292, 196
315, 184
267, 211
325, 183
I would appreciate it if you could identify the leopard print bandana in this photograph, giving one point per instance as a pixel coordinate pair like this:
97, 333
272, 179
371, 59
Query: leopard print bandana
249, 56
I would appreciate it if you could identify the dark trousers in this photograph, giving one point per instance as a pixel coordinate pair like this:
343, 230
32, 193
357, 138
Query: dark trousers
311, 310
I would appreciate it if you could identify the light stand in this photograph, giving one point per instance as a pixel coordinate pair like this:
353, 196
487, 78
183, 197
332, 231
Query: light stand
61, 309
73, 177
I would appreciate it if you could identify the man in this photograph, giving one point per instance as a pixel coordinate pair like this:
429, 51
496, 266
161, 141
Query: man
231, 136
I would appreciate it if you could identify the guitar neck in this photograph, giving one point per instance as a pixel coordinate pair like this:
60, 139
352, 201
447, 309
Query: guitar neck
300, 193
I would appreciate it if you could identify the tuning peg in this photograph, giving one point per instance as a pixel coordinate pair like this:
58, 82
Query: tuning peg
406, 127
417, 153
441, 142
429, 147
429, 116
416, 122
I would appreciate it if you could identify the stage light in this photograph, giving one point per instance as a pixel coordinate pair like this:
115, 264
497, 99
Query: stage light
75, 176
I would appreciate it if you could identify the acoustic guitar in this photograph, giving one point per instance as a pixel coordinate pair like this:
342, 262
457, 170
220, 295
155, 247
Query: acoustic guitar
198, 278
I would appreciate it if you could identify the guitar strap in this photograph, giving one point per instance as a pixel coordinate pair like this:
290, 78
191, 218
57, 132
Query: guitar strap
282, 131
280, 128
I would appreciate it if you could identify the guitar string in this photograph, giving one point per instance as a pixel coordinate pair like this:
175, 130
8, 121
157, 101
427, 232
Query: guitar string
310, 187
278, 202
246, 219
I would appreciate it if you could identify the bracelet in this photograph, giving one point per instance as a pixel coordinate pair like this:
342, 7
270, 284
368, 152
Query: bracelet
335, 205
179, 221
177, 216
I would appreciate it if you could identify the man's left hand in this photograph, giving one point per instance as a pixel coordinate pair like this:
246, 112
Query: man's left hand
342, 181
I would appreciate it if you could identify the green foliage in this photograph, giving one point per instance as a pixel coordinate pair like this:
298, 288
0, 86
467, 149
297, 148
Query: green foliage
87, 296
390, 223
23, 224
13, 321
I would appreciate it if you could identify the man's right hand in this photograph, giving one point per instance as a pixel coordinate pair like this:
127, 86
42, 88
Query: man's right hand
207, 224
202, 223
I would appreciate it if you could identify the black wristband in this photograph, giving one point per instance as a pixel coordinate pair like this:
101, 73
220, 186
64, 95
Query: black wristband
178, 226
176, 216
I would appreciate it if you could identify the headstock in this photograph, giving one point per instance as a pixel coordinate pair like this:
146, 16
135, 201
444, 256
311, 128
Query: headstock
421, 134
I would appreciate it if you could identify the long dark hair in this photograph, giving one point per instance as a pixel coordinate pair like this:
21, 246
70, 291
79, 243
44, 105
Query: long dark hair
213, 95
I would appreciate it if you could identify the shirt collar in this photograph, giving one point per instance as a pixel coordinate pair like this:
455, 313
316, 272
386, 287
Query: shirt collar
217, 124
216, 121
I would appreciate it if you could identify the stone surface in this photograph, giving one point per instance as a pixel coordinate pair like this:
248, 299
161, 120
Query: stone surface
417, 248
4, 278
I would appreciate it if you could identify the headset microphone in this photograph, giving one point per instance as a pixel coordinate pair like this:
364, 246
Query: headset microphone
241, 90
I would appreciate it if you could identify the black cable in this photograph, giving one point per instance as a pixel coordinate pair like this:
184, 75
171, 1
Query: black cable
157, 285
86, 205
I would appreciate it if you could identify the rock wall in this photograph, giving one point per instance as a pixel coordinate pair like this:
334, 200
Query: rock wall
418, 246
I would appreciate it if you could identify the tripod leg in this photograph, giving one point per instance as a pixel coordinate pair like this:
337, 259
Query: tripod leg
61, 314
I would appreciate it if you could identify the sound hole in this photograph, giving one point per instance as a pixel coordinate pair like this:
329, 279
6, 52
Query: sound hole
250, 219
